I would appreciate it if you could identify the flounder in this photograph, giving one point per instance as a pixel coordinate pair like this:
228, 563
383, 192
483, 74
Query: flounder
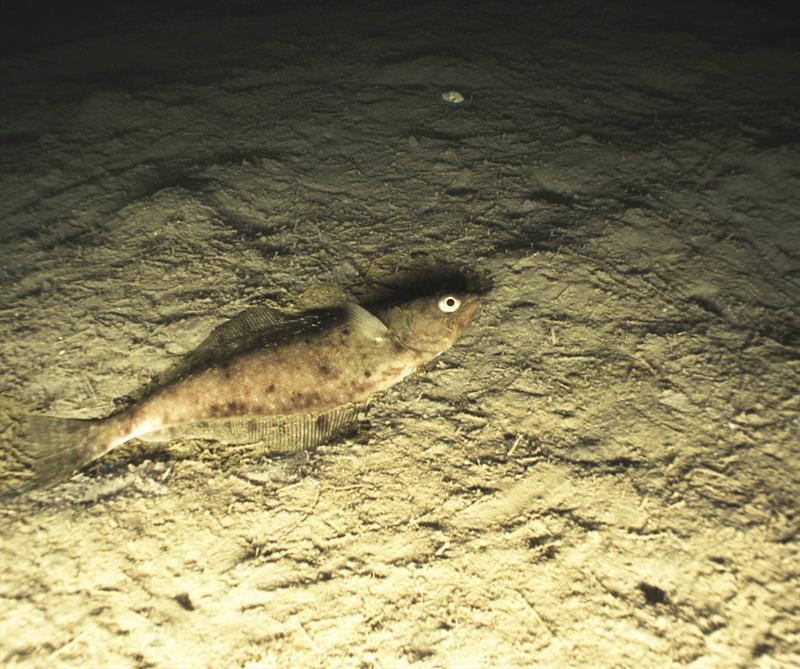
287, 381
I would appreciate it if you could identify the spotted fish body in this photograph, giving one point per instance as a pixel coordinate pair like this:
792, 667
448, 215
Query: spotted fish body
265, 376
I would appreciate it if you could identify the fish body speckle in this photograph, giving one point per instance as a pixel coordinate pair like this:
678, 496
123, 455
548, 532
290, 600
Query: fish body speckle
264, 371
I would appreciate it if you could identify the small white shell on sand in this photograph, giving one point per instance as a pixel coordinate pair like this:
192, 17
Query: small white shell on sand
453, 96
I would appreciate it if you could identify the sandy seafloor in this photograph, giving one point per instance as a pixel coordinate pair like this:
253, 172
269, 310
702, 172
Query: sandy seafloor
603, 472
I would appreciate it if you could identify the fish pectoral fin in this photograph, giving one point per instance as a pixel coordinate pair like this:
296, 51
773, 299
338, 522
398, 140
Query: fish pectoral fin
364, 323
278, 434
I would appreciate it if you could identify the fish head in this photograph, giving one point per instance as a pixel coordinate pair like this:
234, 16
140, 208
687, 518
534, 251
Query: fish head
430, 324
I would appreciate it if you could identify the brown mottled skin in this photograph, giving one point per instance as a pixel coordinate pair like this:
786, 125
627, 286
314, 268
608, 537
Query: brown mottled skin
342, 362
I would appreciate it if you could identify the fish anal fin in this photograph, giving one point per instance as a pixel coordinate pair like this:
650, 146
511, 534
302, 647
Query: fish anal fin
279, 434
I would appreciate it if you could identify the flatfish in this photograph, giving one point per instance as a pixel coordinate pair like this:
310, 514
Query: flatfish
288, 381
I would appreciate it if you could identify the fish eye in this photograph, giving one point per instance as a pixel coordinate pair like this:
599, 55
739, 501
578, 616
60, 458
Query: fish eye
449, 304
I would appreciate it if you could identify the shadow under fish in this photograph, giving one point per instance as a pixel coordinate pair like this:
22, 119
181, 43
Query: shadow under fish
289, 382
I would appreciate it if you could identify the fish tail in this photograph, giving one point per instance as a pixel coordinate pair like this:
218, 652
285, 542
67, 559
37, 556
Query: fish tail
45, 450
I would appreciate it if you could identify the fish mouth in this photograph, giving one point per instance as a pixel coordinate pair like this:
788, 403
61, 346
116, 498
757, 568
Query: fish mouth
467, 311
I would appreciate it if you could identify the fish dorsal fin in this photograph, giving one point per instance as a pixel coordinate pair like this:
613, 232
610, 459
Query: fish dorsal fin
242, 332
258, 320
364, 323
